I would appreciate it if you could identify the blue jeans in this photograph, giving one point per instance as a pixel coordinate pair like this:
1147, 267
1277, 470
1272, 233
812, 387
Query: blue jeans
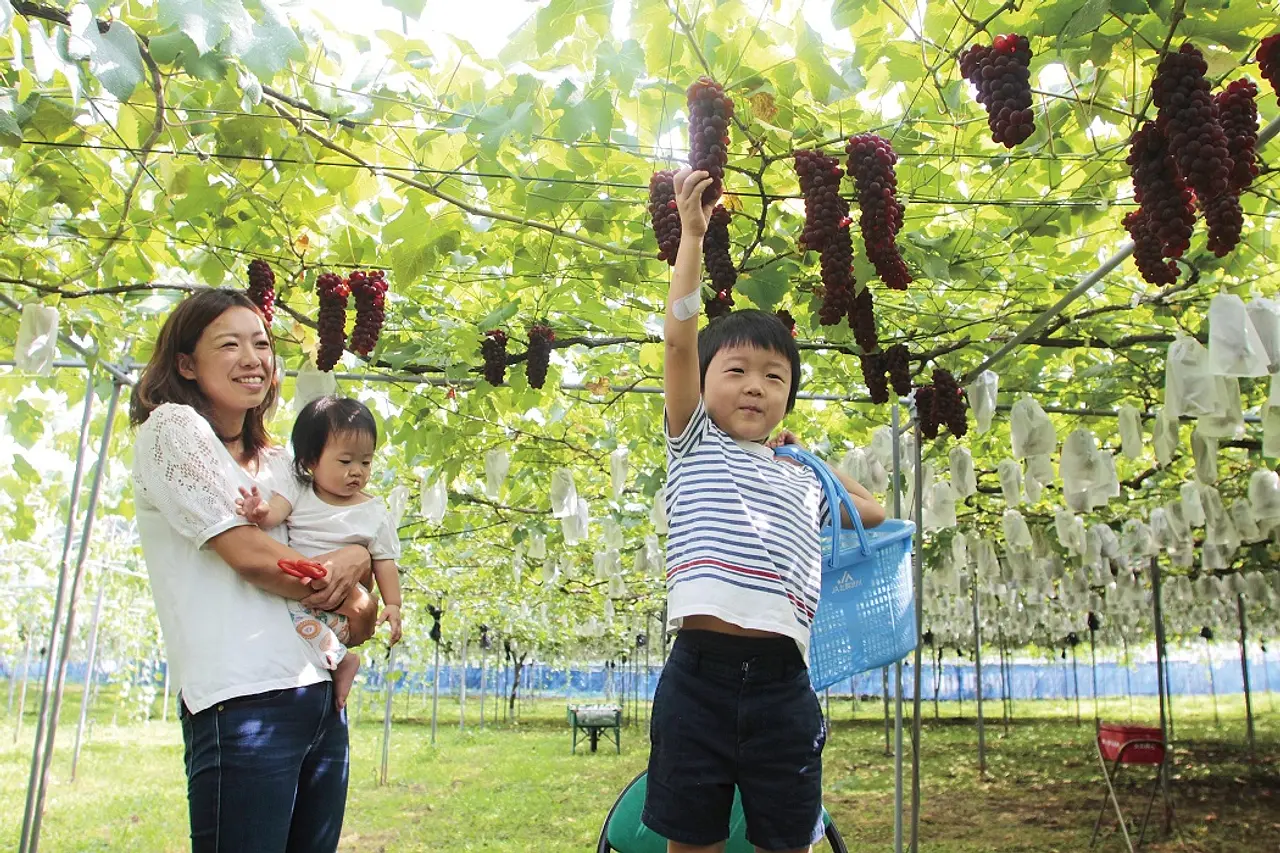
267, 773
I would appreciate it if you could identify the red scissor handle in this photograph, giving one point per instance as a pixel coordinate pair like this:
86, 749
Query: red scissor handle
302, 569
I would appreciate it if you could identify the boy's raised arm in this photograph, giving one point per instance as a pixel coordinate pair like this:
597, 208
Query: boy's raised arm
681, 382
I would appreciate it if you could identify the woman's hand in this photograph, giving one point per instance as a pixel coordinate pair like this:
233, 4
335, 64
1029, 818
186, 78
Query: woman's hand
345, 567
694, 215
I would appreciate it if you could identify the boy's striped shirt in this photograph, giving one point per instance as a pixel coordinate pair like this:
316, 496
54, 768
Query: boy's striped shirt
743, 543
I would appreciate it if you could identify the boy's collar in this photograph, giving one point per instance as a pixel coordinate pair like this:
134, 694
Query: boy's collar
754, 447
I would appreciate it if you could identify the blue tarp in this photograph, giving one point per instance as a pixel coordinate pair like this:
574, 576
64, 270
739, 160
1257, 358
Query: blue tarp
1029, 680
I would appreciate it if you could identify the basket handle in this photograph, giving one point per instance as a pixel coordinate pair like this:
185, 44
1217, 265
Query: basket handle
837, 497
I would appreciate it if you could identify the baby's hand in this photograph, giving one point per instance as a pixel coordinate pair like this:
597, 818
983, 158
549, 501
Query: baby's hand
391, 616
251, 505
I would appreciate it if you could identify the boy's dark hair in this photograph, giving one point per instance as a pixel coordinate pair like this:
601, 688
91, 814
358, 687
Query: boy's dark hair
753, 328
322, 418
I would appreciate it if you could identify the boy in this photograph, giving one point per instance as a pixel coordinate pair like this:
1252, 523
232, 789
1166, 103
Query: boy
734, 706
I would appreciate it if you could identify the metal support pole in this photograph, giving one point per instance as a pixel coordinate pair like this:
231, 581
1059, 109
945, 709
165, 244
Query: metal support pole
73, 598
483, 661
897, 666
1162, 687
977, 664
647, 643
89, 673
1075, 679
25, 843
888, 725
1213, 686
13, 683
1093, 658
917, 561
1266, 679
1244, 668
1009, 667
1004, 688
462, 688
386, 717
22, 693
435, 695
13, 676
937, 682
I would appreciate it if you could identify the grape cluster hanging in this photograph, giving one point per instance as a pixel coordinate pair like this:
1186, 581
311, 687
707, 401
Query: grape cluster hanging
262, 288
332, 320
539, 355
1001, 72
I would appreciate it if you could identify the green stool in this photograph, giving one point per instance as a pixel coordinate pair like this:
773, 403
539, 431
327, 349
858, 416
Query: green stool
624, 833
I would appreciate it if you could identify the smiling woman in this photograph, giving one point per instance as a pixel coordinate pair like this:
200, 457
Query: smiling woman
221, 597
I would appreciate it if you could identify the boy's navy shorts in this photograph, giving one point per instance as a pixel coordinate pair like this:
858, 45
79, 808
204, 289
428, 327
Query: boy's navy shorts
735, 711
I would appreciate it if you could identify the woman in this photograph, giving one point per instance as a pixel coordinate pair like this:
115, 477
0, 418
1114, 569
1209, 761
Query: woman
266, 750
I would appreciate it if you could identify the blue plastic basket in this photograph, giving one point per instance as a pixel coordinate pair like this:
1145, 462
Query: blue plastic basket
866, 617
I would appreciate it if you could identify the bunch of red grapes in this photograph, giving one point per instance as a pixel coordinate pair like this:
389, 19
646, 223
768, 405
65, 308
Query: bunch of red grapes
1238, 113
332, 320
539, 355
719, 264
1148, 249
949, 403
262, 288
493, 348
1187, 116
1237, 110
871, 162
1159, 190
370, 291
862, 319
1001, 73
897, 365
837, 271
710, 111
873, 375
925, 414
1268, 57
664, 214
820, 184
941, 404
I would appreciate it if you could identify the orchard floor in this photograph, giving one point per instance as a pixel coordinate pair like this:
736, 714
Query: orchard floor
515, 788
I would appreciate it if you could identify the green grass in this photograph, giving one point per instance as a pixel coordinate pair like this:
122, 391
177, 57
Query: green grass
517, 788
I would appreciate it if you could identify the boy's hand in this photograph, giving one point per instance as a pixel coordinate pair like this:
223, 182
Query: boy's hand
251, 505
391, 616
694, 215
785, 437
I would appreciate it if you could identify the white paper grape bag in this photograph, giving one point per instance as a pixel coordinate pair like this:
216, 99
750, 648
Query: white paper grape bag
37, 345
312, 384
982, 399
1130, 431
1235, 349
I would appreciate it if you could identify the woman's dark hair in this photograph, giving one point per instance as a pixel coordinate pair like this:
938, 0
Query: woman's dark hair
162, 383
321, 419
754, 328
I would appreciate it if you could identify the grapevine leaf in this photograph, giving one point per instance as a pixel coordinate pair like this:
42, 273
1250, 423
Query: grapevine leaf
206, 22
